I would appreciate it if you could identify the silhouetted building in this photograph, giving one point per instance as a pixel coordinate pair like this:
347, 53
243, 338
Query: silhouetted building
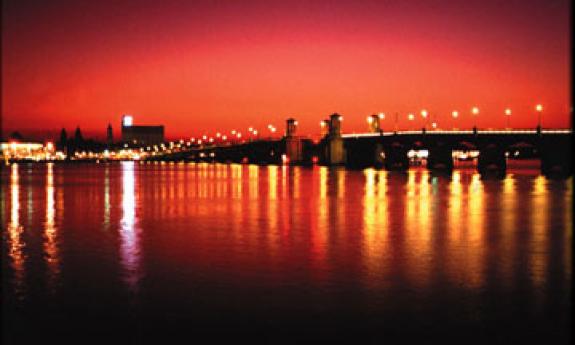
109, 135
140, 134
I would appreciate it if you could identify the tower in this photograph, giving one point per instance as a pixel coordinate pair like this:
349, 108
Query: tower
109, 135
291, 127
294, 145
335, 125
373, 121
335, 148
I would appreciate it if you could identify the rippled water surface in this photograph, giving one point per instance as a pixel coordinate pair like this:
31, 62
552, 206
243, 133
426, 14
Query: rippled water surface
129, 253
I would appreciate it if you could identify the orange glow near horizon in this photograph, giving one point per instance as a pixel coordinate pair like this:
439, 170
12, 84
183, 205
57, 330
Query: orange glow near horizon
200, 67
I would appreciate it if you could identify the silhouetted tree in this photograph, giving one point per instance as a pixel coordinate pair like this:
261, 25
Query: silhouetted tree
78, 136
63, 142
16, 136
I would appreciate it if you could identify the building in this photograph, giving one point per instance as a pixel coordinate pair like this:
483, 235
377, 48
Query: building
109, 135
140, 135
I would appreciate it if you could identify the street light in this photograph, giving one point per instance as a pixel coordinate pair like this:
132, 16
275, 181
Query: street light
424, 114
508, 115
475, 111
539, 109
454, 114
381, 116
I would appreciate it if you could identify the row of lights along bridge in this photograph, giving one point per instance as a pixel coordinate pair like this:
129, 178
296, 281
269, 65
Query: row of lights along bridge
454, 114
236, 136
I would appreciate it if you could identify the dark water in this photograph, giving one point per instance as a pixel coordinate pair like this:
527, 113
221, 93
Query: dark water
147, 253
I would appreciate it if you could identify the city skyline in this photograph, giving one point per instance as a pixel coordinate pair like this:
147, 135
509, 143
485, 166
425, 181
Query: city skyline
223, 66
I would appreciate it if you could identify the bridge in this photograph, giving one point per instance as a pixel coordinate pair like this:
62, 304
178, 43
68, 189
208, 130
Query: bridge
390, 150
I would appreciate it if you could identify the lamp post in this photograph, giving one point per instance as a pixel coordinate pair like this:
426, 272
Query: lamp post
539, 109
475, 112
424, 114
508, 116
454, 114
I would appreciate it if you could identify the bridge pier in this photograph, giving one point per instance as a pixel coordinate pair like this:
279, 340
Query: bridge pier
440, 157
363, 154
395, 157
492, 160
556, 157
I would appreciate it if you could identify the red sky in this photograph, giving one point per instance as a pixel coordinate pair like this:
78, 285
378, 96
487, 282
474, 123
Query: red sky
202, 66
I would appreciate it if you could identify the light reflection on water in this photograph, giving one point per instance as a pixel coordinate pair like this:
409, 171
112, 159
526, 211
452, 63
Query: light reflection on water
130, 254
51, 232
228, 228
15, 229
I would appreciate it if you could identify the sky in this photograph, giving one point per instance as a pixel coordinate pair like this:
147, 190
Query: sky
205, 66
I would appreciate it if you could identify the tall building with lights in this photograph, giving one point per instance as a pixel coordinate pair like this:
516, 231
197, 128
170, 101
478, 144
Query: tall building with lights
140, 135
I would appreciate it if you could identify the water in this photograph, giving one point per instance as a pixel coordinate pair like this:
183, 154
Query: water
137, 253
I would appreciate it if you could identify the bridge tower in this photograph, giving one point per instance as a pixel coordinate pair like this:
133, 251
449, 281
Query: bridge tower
324, 127
334, 148
294, 144
373, 122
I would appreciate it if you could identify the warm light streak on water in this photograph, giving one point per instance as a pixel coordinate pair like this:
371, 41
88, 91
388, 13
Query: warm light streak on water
508, 226
15, 230
130, 254
51, 250
539, 236
107, 205
474, 232
253, 181
376, 228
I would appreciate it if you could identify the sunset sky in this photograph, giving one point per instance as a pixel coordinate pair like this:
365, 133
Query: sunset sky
205, 66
